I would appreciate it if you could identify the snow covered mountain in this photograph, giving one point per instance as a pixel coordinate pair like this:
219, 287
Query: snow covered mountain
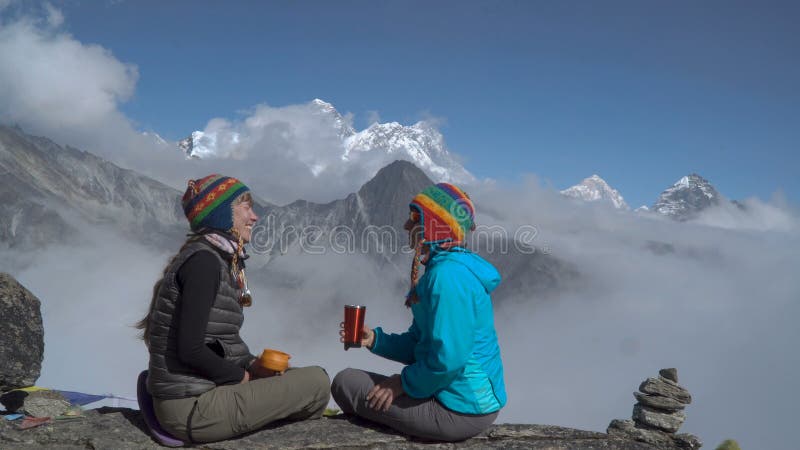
420, 144
595, 189
686, 198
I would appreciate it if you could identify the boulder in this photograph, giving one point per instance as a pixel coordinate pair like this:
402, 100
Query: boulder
121, 429
22, 336
666, 388
689, 441
627, 428
36, 403
671, 374
656, 419
659, 402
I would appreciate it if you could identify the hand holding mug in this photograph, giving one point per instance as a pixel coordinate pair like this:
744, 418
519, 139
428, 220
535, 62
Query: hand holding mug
367, 335
353, 329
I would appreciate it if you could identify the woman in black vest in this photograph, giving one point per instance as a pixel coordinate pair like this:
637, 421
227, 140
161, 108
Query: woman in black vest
205, 383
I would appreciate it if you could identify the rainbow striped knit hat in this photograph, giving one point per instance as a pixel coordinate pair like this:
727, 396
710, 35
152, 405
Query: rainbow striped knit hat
208, 202
447, 213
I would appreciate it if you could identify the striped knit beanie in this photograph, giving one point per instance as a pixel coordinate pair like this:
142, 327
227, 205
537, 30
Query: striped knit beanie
208, 202
446, 213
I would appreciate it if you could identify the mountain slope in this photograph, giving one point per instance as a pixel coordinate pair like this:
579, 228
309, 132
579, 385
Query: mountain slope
51, 189
51, 192
595, 189
370, 222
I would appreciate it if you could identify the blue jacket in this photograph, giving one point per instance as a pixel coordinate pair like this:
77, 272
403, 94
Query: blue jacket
451, 348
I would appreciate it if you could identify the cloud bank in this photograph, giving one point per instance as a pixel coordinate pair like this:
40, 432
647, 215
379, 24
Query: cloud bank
53, 85
717, 303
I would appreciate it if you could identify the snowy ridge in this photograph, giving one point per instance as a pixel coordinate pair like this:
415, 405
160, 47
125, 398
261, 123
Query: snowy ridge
203, 144
342, 126
595, 189
421, 144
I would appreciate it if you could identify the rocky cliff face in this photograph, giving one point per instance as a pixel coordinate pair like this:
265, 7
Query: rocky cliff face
22, 337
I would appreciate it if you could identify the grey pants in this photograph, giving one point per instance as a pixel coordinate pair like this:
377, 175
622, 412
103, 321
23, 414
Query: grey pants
228, 411
423, 418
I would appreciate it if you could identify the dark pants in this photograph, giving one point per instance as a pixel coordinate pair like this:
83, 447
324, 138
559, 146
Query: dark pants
228, 411
424, 418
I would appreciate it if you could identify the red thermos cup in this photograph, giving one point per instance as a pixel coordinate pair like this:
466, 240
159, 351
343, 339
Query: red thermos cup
353, 325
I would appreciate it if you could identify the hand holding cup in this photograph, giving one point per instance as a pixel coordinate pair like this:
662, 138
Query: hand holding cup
353, 332
367, 336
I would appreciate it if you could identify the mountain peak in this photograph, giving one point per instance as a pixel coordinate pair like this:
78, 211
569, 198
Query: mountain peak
338, 122
400, 169
595, 189
690, 180
687, 197
420, 143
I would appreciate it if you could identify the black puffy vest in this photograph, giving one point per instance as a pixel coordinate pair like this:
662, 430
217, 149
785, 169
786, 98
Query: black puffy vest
168, 377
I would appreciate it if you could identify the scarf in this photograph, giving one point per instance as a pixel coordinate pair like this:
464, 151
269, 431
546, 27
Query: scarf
237, 252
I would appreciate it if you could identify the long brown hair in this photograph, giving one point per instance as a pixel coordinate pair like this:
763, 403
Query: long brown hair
144, 324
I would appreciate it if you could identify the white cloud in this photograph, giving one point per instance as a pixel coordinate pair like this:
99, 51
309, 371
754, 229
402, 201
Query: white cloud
432, 120
55, 18
283, 154
296, 152
373, 117
51, 81
55, 86
753, 215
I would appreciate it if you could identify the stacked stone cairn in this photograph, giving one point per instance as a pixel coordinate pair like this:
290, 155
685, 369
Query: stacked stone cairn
658, 414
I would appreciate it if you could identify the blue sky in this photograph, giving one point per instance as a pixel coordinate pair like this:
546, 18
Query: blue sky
641, 93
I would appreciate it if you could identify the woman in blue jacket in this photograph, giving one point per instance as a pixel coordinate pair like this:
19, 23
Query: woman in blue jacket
452, 385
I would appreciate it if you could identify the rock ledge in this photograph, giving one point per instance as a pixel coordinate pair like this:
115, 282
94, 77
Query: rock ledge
122, 428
